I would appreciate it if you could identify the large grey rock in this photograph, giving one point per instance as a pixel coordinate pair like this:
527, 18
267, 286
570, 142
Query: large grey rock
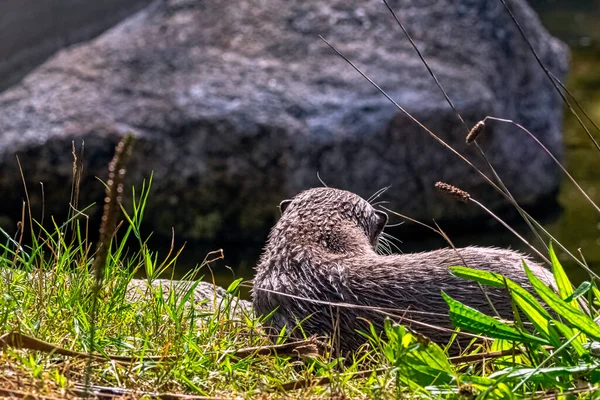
32, 30
237, 105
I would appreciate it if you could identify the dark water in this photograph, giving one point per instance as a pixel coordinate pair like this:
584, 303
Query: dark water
577, 225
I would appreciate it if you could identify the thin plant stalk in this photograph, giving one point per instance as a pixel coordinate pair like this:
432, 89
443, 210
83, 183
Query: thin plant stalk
568, 92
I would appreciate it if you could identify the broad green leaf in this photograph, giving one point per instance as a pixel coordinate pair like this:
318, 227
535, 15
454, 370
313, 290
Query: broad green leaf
580, 291
575, 317
563, 284
535, 312
595, 377
406, 340
186, 297
399, 341
149, 265
491, 388
416, 372
544, 373
392, 330
477, 275
476, 322
497, 280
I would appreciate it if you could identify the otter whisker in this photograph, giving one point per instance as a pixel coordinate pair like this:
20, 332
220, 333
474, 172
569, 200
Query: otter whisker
321, 180
380, 202
391, 243
382, 251
383, 246
392, 237
398, 250
394, 225
393, 246
378, 193
389, 250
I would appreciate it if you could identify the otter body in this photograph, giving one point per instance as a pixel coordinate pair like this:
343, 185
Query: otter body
323, 248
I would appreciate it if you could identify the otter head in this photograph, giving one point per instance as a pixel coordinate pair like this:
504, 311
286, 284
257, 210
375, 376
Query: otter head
328, 209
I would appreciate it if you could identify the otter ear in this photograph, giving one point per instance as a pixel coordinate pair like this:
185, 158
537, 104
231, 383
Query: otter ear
382, 220
283, 205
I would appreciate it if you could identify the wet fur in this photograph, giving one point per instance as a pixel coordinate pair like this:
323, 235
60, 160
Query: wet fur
323, 248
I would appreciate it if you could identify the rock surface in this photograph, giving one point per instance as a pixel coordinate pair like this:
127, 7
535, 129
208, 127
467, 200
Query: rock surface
237, 105
206, 295
36, 29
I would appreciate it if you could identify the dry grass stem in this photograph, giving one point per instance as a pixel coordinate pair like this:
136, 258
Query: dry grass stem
502, 191
568, 92
416, 48
108, 225
113, 199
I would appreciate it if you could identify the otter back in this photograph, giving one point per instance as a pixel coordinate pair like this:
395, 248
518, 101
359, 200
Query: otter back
322, 252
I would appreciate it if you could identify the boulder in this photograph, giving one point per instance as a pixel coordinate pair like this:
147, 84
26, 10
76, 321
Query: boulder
207, 297
238, 105
36, 29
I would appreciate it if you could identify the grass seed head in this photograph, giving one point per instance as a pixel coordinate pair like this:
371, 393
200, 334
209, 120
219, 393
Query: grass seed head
475, 132
453, 191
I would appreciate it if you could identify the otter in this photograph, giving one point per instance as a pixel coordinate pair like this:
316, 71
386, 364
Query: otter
324, 248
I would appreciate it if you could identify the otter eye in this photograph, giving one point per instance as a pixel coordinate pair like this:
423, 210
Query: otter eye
382, 220
283, 205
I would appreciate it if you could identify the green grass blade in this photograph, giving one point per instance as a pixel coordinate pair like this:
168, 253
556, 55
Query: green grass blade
234, 285
565, 289
477, 275
568, 333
